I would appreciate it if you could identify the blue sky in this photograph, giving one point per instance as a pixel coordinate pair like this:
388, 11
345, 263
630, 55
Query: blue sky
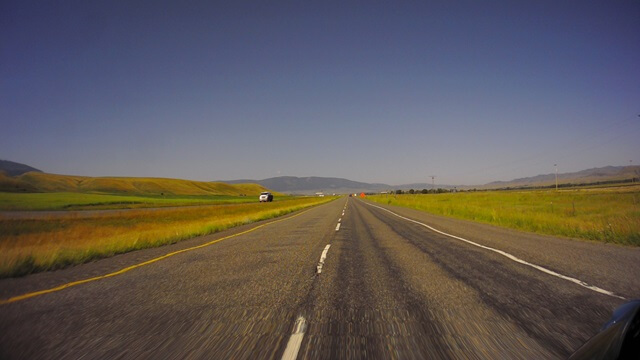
378, 91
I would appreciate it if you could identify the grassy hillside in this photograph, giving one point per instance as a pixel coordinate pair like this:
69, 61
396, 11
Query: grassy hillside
600, 214
41, 182
12, 184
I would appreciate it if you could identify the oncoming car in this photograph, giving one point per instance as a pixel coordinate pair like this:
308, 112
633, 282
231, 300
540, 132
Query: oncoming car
266, 197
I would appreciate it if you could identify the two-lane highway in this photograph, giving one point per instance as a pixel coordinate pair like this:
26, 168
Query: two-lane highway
348, 279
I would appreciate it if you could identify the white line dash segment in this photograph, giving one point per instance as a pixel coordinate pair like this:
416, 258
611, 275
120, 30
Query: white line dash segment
323, 257
338, 227
510, 257
293, 346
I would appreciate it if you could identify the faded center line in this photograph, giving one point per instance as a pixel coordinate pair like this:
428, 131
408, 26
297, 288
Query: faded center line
293, 346
322, 258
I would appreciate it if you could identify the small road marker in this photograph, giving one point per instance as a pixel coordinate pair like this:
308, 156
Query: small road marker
338, 227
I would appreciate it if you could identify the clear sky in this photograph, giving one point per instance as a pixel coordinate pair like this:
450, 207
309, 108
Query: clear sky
375, 91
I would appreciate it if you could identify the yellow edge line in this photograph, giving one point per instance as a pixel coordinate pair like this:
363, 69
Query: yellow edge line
129, 268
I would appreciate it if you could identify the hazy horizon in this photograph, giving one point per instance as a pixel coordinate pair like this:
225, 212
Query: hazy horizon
470, 93
426, 183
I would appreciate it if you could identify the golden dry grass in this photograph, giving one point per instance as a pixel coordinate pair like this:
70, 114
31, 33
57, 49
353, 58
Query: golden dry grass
600, 214
36, 244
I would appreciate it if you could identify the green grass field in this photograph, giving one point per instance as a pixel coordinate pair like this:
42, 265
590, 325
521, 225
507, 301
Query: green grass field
38, 243
83, 201
161, 212
599, 214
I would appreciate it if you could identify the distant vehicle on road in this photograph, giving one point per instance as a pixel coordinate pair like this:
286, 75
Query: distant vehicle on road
266, 197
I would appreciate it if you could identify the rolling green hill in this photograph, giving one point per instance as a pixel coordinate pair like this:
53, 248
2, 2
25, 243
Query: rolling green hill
42, 182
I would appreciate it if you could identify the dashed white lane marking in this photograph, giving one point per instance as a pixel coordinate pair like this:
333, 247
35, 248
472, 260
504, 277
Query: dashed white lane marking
338, 227
511, 257
323, 257
293, 346
339, 220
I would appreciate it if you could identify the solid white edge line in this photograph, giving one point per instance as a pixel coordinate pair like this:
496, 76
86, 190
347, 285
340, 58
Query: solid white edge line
509, 256
338, 227
293, 346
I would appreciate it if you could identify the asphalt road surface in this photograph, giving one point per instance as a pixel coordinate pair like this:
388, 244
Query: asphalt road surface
323, 285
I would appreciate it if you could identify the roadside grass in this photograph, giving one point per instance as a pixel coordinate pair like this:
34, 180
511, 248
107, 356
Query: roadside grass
35, 244
604, 215
84, 201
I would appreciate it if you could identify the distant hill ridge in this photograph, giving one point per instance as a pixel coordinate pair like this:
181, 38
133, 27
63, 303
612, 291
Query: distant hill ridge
308, 185
292, 184
11, 168
328, 185
42, 182
607, 173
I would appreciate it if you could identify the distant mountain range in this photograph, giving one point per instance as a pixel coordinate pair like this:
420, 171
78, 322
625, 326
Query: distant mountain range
310, 185
327, 185
313, 184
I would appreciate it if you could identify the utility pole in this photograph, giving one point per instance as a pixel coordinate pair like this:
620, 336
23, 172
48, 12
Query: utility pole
556, 166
